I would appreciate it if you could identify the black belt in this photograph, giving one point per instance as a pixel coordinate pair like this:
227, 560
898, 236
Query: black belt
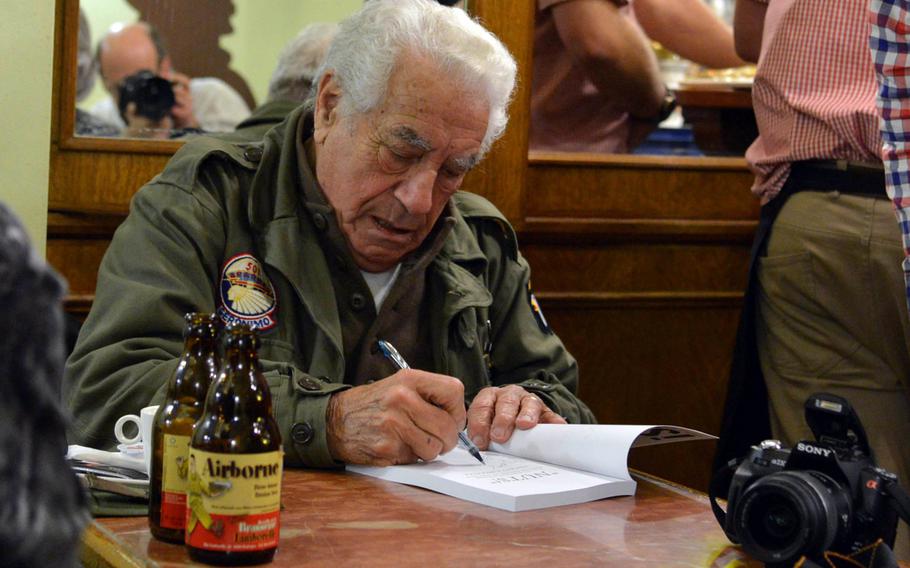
838, 175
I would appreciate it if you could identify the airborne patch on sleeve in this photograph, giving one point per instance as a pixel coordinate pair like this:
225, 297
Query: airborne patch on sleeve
246, 294
538, 313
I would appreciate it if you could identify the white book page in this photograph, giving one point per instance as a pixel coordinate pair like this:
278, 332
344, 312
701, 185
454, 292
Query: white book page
598, 448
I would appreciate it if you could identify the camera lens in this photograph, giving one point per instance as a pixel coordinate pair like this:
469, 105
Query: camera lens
789, 514
776, 523
152, 95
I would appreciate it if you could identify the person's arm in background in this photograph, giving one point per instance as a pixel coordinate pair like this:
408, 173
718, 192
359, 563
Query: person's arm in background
614, 53
690, 29
888, 40
748, 25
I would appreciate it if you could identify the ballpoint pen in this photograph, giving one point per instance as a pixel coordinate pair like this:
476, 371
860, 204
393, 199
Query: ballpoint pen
394, 356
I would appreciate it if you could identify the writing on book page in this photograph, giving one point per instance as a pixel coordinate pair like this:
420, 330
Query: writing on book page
500, 470
507, 473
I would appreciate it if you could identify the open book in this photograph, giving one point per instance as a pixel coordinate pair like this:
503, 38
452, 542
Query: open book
546, 466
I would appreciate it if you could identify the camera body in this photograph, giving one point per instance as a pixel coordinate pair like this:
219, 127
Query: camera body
152, 95
818, 496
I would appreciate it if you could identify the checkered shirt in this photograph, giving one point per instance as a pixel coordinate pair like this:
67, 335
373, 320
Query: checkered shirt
891, 54
814, 89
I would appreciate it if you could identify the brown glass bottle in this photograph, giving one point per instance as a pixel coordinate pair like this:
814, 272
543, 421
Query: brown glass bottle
234, 490
174, 422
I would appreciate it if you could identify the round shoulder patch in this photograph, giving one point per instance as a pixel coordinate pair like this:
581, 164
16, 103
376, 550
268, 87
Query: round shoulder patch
246, 294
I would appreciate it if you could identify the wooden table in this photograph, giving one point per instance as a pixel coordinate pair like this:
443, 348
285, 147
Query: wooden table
343, 519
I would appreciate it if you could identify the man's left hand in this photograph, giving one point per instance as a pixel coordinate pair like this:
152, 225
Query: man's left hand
496, 411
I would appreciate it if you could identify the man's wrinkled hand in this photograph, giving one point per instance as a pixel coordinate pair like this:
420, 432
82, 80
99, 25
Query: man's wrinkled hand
497, 411
409, 416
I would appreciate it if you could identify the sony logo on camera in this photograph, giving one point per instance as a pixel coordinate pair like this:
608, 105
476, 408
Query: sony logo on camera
814, 450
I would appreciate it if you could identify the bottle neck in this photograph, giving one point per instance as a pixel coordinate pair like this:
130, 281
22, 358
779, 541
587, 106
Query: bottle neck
200, 346
197, 368
242, 377
242, 359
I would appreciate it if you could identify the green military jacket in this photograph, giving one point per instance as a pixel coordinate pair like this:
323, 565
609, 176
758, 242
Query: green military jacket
223, 201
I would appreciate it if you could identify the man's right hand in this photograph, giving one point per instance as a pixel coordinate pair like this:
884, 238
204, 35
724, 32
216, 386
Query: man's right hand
409, 416
184, 116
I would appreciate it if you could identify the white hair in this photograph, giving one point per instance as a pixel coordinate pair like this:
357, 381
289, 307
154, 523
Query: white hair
370, 43
300, 61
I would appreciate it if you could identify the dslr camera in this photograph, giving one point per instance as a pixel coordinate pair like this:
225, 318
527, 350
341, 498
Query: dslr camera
153, 95
822, 495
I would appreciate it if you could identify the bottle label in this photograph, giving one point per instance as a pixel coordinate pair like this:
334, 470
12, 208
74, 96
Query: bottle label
173, 481
233, 501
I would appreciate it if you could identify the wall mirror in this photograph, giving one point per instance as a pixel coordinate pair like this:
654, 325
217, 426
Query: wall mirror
211, 62
100, 174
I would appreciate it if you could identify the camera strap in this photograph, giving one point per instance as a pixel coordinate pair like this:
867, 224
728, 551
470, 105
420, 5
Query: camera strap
719, 487
899, 499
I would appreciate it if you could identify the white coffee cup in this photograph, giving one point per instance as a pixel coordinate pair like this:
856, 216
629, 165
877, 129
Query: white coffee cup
143, 424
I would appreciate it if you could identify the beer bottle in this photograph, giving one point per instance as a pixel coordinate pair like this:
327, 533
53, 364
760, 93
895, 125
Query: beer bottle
234, 490
173, 427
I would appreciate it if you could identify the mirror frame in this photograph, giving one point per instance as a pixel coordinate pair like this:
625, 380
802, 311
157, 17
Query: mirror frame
66, 37
91, 175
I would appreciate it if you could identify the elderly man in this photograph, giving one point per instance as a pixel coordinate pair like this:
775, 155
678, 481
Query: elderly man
206, 103
343, 227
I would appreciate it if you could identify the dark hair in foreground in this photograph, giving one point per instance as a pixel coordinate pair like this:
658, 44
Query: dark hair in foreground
43, 508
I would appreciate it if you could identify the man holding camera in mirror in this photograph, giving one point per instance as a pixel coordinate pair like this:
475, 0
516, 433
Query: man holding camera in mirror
149, 98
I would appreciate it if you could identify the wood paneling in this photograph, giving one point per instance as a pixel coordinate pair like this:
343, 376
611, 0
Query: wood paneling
102, 182
648, 188
636, 267
76, 243
77, 260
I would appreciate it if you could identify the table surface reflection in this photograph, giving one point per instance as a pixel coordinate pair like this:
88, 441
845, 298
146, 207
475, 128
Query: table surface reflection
344, 519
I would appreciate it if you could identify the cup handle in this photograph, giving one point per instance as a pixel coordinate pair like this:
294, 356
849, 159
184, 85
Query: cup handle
118, 429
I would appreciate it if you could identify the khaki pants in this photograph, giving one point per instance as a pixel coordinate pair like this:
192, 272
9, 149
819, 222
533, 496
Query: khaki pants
832, 317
